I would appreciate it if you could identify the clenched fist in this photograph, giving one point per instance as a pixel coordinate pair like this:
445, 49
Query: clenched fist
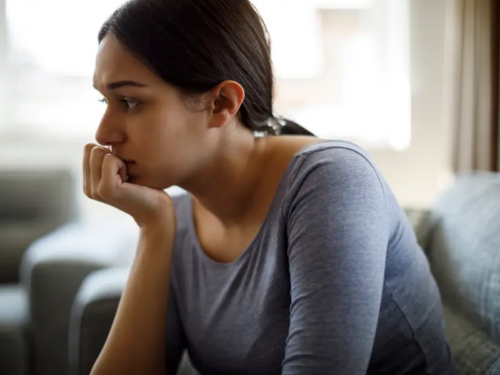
105, 180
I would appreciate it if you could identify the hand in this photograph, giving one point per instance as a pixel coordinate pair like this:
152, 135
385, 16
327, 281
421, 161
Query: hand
105, 181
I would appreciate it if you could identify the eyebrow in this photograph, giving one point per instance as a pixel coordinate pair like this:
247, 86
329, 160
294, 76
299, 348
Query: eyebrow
120, 84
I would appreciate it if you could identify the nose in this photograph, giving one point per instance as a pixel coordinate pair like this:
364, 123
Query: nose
109, 132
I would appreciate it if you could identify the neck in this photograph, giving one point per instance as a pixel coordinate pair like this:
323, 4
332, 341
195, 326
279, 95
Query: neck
227, 186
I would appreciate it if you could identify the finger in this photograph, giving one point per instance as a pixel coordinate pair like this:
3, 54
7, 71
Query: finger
96, 159
86, 169
111, 178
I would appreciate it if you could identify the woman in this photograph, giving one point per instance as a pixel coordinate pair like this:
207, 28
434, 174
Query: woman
289, 255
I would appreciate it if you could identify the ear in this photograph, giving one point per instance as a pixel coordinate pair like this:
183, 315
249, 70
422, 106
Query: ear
226, 102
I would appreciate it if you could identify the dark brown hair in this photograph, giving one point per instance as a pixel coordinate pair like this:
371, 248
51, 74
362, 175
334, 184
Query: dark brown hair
194, 45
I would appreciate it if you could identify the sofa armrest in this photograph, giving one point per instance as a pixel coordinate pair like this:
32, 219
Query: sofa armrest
16, 237
92, 315
52, 271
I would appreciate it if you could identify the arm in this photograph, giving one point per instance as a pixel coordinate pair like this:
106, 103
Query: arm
136, 343
92, 317
338, 235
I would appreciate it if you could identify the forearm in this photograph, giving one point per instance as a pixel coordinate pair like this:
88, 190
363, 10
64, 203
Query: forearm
136, 342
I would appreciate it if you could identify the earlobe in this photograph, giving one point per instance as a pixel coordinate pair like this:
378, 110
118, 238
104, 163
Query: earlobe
228, 97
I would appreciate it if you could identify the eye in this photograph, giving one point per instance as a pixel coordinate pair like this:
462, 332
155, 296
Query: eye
130, 104
103, 100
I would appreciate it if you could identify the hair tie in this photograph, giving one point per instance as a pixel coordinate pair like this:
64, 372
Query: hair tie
273, 127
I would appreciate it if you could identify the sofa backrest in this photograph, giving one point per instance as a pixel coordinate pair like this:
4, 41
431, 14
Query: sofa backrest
32, 204
28, 195
464, 250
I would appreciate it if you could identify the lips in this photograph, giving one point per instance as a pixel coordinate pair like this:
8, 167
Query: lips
127, 161
129, 164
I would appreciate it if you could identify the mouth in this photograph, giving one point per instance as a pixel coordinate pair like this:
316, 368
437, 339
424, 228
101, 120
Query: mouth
126, 161
129, 164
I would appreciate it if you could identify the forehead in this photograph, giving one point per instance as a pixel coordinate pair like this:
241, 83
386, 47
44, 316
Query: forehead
114, 63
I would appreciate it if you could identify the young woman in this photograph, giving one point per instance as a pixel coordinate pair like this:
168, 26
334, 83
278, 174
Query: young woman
289, 255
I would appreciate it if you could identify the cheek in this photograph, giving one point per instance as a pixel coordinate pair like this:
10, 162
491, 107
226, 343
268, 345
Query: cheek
169, 143
178, 128
156, 130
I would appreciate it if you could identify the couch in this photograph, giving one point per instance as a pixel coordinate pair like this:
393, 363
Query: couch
52, 271
33, 203
460, 235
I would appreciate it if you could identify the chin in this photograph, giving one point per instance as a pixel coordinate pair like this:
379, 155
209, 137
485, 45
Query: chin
150, 182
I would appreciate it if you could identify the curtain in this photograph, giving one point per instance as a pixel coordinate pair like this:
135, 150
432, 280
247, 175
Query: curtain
476, 79
496, 23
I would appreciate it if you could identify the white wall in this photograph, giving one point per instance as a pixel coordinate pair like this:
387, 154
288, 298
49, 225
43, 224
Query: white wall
416, 175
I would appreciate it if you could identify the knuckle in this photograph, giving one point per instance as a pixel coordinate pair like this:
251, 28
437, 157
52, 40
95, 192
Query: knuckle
104, 191
94, 151
94, 192
108, 158
88, 149
98, 150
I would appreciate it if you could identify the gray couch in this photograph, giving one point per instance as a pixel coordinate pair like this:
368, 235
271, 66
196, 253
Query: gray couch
52, 272
464, 251
33, 203
461, 236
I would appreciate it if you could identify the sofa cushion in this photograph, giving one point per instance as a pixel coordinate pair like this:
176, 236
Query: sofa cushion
475, 353
463, 251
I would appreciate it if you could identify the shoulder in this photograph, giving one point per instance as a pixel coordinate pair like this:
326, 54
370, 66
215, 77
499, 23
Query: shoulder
334, 164
334, 180
336, 196
337, 153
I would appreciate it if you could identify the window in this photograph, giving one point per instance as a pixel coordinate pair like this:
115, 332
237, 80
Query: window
3, 67
342, 67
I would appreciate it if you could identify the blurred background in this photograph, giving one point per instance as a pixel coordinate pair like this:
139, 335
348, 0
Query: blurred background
415, 82
377, 72
374, 72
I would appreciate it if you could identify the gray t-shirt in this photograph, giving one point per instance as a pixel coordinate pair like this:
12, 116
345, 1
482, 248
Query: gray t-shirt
334, 282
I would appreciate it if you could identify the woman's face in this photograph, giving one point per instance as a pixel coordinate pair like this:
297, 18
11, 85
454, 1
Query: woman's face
146, 121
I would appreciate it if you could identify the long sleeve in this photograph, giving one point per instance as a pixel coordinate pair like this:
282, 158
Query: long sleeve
338, 233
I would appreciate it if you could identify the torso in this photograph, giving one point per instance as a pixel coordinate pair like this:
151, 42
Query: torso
234, 317
214, 237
